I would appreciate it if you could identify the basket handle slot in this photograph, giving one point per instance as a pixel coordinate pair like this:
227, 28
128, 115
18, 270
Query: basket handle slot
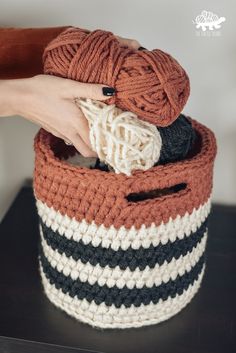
155, 193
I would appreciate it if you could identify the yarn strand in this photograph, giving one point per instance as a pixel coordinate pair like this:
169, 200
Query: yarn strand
151, 84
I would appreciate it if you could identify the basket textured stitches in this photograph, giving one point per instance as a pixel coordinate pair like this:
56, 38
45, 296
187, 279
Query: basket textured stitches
114, 263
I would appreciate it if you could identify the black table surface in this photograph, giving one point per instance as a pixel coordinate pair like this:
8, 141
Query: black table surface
30, 323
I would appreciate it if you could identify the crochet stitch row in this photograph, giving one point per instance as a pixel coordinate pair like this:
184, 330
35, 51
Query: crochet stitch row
101, 197
101, 316
116, 263
110, 286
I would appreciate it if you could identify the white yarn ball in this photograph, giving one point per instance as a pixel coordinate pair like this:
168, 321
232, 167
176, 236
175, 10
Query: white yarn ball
120, 138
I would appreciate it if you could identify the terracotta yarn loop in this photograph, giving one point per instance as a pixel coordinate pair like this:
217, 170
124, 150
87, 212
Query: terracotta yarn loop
98, 196
151, 84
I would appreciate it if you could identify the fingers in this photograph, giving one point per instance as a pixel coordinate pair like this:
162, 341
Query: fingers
79, 133
81, 146
75, 138
76, 89
83, 126
131, 43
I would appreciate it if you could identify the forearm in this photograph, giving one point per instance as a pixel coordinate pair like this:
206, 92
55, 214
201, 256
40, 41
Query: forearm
13, 94
21, 50
5, 105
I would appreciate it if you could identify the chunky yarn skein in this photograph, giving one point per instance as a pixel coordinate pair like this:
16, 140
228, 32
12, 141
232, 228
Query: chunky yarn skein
125, 143
120, 139
177, 140
151, 84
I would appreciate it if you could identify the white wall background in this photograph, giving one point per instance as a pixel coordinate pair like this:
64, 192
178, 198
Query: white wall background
209, 61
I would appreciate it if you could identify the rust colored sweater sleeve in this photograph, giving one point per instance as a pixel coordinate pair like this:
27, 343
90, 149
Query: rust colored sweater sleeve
21, 50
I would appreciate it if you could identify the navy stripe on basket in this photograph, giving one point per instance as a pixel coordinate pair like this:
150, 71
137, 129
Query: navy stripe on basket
130, 258
115, 295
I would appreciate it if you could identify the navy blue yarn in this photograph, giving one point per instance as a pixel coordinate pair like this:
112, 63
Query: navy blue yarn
115, 295
177, 140
130, 258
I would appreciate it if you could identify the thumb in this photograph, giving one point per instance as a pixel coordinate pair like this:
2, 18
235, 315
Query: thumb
89, 90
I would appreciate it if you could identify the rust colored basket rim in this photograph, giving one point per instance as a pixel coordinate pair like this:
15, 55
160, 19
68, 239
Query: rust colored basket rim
44, 143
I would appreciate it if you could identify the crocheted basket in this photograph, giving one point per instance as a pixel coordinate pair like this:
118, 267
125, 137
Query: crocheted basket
110, 257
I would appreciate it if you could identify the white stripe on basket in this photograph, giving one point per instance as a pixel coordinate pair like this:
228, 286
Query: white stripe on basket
99, 235
117, 277
111, 317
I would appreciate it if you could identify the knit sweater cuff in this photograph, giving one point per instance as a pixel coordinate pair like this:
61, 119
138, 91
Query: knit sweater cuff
21, 50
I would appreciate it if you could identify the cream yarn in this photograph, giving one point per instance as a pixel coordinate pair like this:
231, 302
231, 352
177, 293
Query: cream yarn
120, 138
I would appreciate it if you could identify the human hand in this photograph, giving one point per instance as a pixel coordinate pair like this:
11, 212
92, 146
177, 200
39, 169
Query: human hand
49, 102
130, 43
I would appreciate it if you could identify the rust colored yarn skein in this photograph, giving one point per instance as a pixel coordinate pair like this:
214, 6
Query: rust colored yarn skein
151, 84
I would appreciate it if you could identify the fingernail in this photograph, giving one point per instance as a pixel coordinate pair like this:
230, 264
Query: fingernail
108, 91
142, 48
